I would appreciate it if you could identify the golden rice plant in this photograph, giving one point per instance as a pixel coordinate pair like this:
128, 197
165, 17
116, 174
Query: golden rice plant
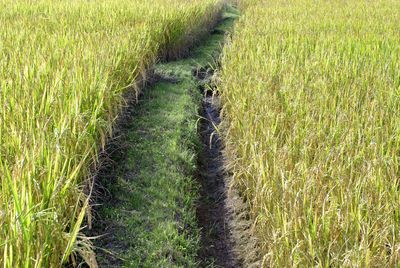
311, 94
64, 68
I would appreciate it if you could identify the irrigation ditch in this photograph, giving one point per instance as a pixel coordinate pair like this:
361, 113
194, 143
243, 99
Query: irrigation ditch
223, 216
165, 196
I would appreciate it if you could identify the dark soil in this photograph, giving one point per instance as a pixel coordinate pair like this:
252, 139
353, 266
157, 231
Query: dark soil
226, 237
214, 216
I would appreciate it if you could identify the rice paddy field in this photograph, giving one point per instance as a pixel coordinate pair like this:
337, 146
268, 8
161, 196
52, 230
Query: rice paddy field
65, 67
310, 99
311, 103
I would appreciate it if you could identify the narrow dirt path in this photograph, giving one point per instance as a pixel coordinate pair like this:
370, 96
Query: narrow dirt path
152, 214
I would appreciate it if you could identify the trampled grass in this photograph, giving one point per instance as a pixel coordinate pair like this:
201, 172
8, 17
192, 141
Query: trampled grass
64, 67
312, 129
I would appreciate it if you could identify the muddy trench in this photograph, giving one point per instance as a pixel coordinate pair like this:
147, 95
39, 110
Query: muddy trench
227, 239
213, 214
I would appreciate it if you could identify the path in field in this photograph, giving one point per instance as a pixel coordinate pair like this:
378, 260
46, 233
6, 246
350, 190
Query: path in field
166, 194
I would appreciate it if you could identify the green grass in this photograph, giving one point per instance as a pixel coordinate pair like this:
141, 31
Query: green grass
65, 66
311, 107
151, 213
154, 215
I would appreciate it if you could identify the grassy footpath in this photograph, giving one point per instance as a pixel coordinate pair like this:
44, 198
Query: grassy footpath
64, 69
311, 106
149, 218
151, 214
